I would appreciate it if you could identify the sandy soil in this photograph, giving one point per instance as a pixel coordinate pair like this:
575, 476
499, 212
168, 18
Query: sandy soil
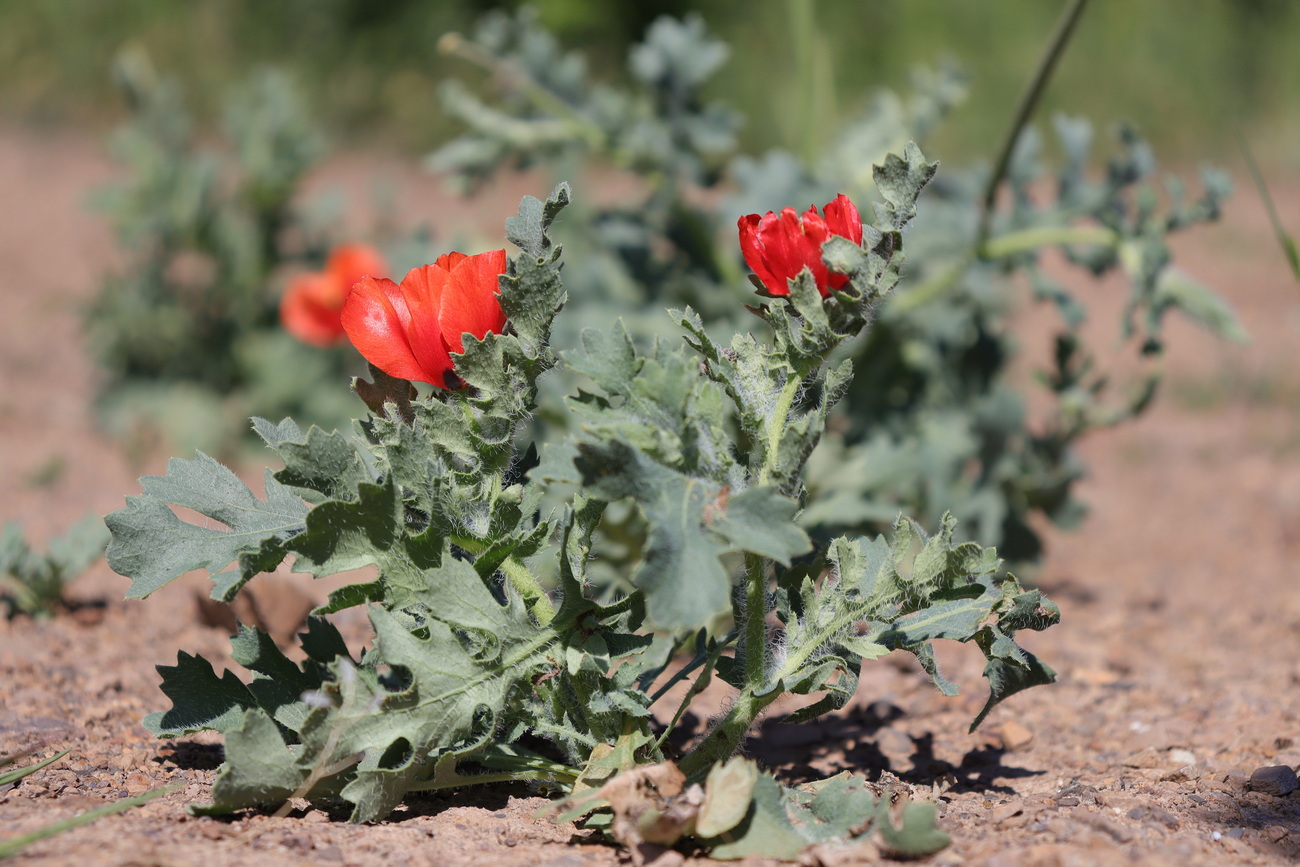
1179, 671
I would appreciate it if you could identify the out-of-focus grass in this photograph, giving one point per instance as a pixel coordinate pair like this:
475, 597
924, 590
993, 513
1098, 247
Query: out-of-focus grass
1187, 71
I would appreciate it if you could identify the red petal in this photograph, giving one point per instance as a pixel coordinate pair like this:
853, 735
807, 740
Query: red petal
348, 263
755, 255
843, 219
774, 235
423, 288
309, 309
447, 261
751, 246
785, 245
815, 234
375, 317
814, 227
778, 248
469, 303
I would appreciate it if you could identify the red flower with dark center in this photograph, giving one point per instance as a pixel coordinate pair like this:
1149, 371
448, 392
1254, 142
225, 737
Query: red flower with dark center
779, 246
310, 307
410, 331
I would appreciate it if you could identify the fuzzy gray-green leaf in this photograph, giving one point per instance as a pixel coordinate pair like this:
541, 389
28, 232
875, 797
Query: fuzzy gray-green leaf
460, 653
766, 831
265, 775
152, 546
782, 823
728, 792
917, 834
326, 464
900, 180
691, 524
200, 699
528, 230
761, 521
341, 536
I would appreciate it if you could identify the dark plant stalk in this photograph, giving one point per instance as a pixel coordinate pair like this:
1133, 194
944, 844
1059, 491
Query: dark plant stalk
1284, 240
1025, 110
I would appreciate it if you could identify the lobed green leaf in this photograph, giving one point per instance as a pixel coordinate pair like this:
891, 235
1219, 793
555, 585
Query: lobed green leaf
152, 546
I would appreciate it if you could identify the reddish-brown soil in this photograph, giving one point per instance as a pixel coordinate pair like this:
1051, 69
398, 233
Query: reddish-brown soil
1177, 651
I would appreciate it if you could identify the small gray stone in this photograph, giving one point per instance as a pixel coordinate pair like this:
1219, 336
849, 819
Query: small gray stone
1155, 815
1277, 780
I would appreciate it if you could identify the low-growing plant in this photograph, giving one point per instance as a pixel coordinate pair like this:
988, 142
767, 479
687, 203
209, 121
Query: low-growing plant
32, 582
188, 331
934, 421
496, 657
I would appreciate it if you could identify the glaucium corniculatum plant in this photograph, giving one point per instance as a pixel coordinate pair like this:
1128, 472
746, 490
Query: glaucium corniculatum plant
491, 660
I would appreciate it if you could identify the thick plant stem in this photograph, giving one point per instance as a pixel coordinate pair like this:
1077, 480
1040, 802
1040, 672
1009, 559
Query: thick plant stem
758, 693
480, 779
539, 603
522, 580
996, 248
510, 769
726, 738
1024, 111
755, 635
1032, 239
730, 732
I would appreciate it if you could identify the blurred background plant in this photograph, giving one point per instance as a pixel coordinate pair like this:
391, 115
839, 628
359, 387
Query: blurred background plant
775, 104
189, 330
935, 421
32, 582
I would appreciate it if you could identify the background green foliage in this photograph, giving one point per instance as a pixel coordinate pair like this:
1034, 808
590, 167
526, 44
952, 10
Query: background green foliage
934, 424
32, 582
935, 421
1189, 69
187, 329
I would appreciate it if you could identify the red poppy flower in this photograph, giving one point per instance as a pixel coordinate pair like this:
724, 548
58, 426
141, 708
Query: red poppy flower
410, 331
310, 307
779, 247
